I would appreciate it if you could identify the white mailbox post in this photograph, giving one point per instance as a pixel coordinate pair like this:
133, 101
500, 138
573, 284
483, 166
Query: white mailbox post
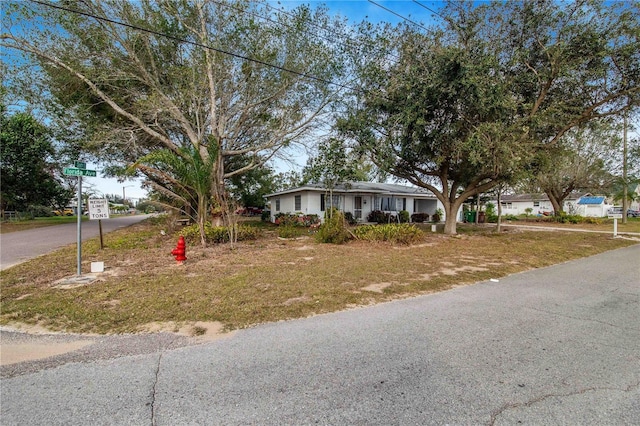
615, 217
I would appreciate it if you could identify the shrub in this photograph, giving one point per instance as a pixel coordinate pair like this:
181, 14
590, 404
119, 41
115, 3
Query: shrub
403, 233
348, 216
265, 216
563, 217
333, 230
379, 216
419, 217
39, 211
218, 234
288, 231
298, 219
592, 220
403, 215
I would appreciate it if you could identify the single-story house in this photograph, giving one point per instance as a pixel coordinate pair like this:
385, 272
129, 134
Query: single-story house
576, 203
589, 206
359, 198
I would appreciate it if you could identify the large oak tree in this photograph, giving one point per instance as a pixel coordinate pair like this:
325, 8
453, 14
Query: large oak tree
468, 104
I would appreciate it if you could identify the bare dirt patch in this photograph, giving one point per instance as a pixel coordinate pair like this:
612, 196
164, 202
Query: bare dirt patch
377, 287
13, 353
202, 330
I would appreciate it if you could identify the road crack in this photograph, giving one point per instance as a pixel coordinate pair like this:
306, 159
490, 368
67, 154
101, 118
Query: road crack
510, 406
153, 391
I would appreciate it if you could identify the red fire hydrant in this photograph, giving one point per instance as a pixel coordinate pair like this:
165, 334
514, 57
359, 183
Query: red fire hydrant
180, 251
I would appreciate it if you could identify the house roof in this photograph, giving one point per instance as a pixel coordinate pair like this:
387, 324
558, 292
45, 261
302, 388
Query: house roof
591, 200
536, 197
389, 189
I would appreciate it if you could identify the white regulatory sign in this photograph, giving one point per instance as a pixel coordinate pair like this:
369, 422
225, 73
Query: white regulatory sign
98, 208
614, 216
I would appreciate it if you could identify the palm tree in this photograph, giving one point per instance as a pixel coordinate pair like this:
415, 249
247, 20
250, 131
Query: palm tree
184, 178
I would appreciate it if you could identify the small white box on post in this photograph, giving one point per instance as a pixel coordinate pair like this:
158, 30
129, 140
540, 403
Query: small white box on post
615, 217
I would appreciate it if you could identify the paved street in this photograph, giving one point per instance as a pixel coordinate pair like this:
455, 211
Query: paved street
16, 247
560, 345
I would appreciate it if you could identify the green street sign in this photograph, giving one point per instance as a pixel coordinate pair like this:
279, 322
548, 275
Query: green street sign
72, 171
80, 164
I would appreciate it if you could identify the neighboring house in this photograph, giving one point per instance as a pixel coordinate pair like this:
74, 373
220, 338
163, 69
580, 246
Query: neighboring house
577, 203
590, 206
538, 203
359, 198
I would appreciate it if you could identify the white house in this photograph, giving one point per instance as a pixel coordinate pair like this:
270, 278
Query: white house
576, 203
359, 198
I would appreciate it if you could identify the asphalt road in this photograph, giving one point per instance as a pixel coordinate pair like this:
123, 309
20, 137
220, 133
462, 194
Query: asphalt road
17, 247
559, 345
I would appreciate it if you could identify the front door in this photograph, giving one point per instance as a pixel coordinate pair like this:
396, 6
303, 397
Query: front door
357, 207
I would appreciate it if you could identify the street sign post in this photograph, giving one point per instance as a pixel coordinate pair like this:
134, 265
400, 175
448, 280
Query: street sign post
79, 170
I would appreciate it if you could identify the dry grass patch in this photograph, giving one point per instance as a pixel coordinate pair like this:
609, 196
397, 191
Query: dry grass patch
263, 280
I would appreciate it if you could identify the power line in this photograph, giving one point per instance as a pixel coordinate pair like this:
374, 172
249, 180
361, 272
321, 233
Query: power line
350, 42
398, 15
197, 44
435, 13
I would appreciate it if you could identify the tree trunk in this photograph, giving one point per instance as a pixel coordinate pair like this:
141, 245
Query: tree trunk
556, 203
450, 211
202, 217
499, 221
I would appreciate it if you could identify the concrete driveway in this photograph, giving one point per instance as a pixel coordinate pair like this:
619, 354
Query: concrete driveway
555, 346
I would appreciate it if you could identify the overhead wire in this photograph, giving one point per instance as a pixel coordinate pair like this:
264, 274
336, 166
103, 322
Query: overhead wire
398, 15
350, 42
197, 44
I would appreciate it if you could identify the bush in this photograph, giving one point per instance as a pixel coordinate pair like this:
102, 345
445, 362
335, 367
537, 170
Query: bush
333, 230
403, 233
348, 216
592, 220
265, 216
419, 217
288, 231
569, 218
218, 234
298, 219
379, 216
403, 215
39, 211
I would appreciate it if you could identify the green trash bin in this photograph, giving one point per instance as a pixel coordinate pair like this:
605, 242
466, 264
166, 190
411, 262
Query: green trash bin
470, 217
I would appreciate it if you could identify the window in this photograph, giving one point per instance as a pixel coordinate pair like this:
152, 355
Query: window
334, 202
277, 204
393, 204
536, 204
298, 203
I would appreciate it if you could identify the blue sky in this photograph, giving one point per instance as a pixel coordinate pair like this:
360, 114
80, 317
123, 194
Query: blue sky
359, 10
